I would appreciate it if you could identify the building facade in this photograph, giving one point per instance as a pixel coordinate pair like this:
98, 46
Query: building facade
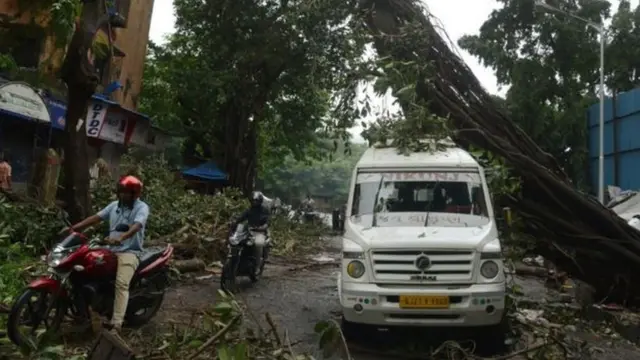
112, 122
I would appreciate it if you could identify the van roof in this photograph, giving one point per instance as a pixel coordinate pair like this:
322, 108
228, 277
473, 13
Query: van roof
390, 158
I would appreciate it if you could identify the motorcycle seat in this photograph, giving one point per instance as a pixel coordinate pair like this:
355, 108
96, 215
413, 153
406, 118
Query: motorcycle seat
148, 256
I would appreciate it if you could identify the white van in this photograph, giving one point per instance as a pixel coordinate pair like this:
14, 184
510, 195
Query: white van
420, 246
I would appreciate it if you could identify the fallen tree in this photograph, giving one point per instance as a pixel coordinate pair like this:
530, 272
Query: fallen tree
574, 231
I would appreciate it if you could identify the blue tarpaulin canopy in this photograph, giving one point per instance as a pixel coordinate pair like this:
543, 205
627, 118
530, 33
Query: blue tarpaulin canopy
208, 170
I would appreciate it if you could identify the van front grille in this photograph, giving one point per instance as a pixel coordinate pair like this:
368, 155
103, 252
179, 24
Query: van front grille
401, 266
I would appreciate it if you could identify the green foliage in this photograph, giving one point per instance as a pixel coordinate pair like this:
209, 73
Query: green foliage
159, 97
63, 16
291, 180
27, 224
501, 181
551, 63
7, 63
279, 73
172, 205
331, 340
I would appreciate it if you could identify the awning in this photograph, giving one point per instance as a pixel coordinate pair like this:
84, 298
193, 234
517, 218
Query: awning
21, 100
208, 170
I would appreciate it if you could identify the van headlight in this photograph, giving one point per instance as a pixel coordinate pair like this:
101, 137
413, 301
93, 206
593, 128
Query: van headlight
489, 269
355, 269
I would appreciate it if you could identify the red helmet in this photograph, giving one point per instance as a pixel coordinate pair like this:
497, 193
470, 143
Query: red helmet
132, 184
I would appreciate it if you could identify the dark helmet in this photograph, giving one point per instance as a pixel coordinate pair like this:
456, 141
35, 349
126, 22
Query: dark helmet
130, 184
256, 198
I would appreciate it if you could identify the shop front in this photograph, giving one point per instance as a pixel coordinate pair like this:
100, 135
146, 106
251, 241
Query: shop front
24, 128
110, 128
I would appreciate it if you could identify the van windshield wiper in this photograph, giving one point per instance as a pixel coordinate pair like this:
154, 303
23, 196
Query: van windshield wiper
374, 221
426, 219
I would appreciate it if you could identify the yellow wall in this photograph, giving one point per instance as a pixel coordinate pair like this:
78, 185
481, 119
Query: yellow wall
132, 40
50, 56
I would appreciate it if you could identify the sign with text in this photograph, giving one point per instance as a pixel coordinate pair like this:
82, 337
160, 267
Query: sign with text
419, 219
58, 111
95, 118
107, 123
466, 177
115, 126
23, 100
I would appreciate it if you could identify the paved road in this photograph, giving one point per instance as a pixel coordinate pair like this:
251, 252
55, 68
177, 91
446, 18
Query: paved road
297, 298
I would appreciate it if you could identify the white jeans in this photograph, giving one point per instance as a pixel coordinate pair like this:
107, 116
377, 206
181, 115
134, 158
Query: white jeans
259, 240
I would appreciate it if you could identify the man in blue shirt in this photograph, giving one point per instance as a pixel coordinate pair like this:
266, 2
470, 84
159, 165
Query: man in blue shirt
127, 219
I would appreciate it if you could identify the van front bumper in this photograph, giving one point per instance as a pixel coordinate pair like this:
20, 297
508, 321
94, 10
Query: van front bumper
470, 305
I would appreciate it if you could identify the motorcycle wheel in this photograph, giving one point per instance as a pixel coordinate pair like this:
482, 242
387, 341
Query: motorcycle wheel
144, 315
25, 302
229, 276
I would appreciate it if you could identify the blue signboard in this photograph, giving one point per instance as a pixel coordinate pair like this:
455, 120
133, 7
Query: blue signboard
58, 112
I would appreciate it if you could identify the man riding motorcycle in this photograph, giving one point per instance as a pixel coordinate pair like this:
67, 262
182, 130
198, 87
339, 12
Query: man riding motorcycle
131, 211
307, 204
258, 219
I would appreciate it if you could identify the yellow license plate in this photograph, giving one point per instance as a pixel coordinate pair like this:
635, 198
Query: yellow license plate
424, 302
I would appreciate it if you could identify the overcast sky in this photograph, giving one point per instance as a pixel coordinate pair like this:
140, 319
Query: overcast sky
459, 17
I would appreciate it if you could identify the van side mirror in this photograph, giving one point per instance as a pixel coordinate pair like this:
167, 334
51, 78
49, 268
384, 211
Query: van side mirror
506, 213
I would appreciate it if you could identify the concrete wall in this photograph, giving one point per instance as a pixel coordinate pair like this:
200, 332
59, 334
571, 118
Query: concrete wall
133, 41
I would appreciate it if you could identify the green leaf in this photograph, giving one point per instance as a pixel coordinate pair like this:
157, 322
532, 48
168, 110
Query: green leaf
406, 90
224, 353
223, 308
321, 326
240, 351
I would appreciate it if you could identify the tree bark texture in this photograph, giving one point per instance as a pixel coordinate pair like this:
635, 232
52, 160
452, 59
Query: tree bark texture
242, 119
573, 230
79, 73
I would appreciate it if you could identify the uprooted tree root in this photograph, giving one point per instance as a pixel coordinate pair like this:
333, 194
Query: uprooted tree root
574, 231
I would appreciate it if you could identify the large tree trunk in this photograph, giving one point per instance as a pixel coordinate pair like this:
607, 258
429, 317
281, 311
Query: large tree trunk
242, 118
79, 73
240, 148
573, 230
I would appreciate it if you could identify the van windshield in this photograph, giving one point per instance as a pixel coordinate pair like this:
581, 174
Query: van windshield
452, 199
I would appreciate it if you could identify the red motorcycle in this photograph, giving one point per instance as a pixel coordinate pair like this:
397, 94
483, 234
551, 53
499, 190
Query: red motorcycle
81, 276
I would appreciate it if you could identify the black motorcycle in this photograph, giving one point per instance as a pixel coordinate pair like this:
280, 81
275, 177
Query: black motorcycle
241, 260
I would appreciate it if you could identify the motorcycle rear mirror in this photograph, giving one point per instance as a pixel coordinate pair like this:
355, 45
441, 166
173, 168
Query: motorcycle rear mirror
122, 228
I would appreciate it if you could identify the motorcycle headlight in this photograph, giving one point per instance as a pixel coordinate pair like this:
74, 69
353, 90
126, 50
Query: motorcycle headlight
355, 269
55, 258
489, 269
